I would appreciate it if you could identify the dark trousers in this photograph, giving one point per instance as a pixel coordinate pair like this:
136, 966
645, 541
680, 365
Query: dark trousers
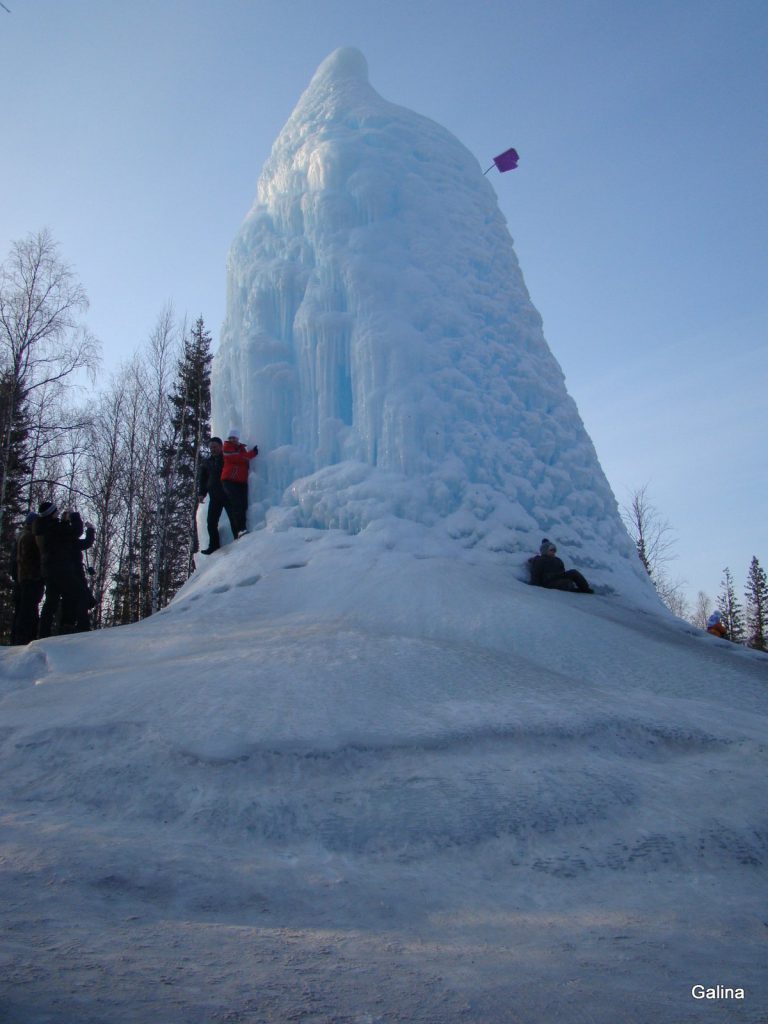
58, 611
570, 580
218, 503
79, 609
236, 495
26, 618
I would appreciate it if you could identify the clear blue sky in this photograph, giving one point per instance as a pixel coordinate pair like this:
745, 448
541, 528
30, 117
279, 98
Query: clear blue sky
136, 132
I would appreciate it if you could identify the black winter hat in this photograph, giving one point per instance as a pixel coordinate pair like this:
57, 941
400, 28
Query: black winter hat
46, 508
217, 439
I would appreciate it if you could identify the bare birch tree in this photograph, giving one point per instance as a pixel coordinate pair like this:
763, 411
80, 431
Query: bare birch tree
654, 540
702, 610
164, 353
651, 533
103, 470
42, 339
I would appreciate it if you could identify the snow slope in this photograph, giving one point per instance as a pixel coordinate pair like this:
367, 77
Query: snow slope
381, 347
337, 781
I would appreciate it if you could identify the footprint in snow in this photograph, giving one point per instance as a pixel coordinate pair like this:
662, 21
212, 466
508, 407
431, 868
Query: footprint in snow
248, 581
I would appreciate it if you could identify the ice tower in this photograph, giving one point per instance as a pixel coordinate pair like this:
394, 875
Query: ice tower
381, 347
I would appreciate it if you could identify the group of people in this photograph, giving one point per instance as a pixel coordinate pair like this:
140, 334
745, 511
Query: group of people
49, 561
48, 558
547, 570
223, 479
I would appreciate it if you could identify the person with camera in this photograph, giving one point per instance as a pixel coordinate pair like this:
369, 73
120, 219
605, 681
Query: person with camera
82, 597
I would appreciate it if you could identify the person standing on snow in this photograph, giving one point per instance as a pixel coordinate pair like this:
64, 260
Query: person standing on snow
54, 540
29, 585
209, 484
82, 598
234, 479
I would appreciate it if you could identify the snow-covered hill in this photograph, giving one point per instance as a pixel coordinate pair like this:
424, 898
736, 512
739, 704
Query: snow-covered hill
339, 781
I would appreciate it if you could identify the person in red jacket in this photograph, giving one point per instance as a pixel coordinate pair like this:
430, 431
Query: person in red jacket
234, 478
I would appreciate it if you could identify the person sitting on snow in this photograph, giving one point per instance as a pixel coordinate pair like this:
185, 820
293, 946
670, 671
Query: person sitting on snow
716, 626
234, 479
547, 570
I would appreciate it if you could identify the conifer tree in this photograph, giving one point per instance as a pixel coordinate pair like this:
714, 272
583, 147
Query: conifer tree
15, 471
731, 610
190, 419
757, 606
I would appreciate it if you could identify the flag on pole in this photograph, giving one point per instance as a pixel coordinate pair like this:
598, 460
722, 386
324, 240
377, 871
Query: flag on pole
506, 161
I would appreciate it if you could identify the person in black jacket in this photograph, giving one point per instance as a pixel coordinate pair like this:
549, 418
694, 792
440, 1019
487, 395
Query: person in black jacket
209, 485
82, 598
54, 539
547, 570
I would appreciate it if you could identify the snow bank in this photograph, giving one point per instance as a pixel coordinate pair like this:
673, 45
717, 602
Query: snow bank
331, 754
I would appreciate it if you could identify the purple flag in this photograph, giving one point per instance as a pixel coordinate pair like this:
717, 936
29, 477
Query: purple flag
507, 161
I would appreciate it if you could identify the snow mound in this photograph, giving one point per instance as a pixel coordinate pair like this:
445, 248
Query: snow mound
329, 735
306, 687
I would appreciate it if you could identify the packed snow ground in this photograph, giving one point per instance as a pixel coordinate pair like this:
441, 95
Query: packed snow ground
337, 781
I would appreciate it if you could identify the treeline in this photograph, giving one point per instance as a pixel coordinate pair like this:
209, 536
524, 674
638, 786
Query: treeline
127, 459
745, 622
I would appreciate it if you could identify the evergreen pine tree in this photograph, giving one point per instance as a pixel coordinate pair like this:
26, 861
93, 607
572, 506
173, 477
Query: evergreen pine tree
731, 610
191, 420
15, 472
757, 606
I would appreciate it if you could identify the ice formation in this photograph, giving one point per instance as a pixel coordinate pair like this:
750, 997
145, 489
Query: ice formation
381, 347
